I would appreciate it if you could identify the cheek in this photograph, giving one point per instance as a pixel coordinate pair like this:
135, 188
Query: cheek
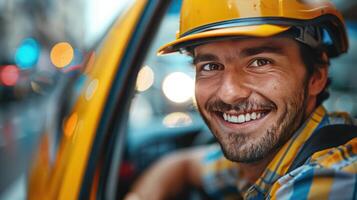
276, 88
204, 89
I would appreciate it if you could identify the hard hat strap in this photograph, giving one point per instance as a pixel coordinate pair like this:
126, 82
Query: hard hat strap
309, 35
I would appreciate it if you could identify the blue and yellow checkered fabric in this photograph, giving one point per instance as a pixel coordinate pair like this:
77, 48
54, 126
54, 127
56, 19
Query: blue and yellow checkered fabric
328, 174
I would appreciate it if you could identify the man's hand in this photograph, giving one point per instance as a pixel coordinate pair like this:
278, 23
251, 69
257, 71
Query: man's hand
168, 177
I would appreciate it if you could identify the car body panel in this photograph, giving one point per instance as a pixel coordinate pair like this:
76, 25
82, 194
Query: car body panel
63, 179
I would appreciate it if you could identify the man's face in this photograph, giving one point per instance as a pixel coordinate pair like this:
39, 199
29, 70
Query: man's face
252, 93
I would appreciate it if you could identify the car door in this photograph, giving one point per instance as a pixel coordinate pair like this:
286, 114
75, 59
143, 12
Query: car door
99, 111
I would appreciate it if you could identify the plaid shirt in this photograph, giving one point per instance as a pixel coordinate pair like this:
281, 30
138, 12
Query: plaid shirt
328, 174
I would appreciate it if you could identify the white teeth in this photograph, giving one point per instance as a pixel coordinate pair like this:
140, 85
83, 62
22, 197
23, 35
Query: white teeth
242, 117
253, 116
235, 119
247, 117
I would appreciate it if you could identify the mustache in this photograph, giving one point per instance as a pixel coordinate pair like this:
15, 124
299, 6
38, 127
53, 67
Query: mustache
217, 105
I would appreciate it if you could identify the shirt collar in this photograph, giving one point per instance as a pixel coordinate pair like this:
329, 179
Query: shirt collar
279, 166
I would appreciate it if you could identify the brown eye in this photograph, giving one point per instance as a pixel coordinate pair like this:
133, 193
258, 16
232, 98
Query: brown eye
260, 62
211, 67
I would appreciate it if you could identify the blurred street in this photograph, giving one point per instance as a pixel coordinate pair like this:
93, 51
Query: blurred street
47, 48
33, 74
20, 125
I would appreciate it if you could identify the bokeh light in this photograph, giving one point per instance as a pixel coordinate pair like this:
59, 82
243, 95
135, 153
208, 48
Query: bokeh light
177, 119
145, 79
91, 88
36, 87
71, 124
178, 87
27, 54
9, 75
62, 54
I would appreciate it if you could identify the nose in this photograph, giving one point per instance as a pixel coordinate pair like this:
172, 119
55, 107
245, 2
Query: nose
233, 88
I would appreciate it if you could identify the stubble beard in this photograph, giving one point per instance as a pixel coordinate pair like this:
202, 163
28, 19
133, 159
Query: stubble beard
240, 147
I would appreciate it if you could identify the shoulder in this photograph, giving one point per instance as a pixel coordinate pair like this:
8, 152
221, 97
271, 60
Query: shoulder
313, 182
329, 174
341, 158
219, 175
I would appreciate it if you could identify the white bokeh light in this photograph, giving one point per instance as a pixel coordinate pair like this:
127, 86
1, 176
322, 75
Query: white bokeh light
145, 79
177, 119
178, 87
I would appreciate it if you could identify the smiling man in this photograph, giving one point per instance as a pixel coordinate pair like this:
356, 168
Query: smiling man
261, 77
242, 99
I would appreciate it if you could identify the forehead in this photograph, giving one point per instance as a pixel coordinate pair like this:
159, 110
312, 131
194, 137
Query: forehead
250, 45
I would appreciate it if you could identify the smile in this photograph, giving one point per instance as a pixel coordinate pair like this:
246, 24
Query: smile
239, 118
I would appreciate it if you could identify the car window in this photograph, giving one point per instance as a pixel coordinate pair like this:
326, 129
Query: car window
163, 115
163, 109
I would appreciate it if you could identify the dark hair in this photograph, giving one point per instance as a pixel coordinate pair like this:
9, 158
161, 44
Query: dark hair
313, 59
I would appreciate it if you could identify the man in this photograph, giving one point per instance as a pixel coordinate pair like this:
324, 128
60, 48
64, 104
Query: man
261, 76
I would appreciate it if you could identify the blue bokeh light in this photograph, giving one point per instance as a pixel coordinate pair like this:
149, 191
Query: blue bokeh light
27, 53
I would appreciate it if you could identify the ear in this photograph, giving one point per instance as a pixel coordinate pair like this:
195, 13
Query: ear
318, 80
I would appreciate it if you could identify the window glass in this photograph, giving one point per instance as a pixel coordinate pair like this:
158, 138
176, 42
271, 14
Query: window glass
163, 114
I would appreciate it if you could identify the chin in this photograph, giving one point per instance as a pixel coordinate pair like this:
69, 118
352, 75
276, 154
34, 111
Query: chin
244, 148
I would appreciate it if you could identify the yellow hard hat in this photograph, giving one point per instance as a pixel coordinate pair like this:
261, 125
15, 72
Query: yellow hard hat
206, 20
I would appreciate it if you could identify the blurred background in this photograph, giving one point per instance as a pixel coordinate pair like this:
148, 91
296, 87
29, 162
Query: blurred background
45, 43
33, 75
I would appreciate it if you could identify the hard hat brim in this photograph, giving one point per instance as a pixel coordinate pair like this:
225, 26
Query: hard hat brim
264, 30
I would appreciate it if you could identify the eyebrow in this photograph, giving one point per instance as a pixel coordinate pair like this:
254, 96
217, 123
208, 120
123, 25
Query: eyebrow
261, 49
251, 51
204, 57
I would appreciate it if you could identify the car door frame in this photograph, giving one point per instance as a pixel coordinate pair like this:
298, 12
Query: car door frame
108, 145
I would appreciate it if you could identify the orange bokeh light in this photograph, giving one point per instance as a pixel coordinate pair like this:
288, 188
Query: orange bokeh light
62, 54
70, 125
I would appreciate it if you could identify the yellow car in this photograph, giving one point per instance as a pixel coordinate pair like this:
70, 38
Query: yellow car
125, 109
91, 156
